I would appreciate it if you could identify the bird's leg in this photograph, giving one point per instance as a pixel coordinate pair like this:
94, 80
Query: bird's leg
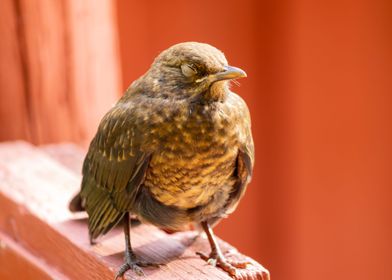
216, 257
130, 260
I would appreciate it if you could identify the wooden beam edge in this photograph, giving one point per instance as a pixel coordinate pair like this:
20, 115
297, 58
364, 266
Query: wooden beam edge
19, 263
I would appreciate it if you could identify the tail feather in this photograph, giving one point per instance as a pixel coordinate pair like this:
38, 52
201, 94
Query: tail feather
103, 216
76, 204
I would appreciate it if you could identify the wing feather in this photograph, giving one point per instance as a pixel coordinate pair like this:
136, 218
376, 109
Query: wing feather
113, 170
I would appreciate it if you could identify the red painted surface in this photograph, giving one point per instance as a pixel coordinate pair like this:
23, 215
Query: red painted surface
59, 68
319, 88
342, 83
21, 264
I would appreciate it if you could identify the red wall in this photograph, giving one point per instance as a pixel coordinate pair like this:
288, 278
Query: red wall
59, 69
342, 88
319, 88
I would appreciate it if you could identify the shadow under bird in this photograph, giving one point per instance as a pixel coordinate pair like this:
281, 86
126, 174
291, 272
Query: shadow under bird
175, 150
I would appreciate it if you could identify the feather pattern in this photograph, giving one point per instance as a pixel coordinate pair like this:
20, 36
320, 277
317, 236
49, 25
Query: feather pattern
173, 150
112, 174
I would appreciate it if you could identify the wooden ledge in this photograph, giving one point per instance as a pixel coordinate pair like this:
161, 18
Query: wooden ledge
41, 238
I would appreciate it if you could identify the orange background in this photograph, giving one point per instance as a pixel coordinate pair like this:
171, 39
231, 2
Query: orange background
319, 88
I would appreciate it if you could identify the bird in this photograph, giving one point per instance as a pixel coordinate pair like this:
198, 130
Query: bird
176, 149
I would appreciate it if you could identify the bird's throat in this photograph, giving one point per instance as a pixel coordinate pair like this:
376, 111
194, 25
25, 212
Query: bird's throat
217, 91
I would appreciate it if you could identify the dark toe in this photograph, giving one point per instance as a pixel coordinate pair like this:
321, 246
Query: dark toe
202, 256
137, 269
122, 270
134, 266
147, 264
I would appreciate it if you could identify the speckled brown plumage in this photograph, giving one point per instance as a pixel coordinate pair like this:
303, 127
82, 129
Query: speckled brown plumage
176, 148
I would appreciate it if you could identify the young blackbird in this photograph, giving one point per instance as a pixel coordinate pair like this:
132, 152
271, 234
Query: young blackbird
176, 149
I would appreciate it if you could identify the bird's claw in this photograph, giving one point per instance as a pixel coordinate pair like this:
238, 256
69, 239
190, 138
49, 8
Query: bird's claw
131, 263
219, 260
126, 266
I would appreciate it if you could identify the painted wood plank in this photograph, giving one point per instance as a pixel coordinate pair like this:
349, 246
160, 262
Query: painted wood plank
14, 113
60, 68
19, 263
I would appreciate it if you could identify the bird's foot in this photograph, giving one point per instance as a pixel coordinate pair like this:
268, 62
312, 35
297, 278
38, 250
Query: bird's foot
217, 259
237, 270
134, 264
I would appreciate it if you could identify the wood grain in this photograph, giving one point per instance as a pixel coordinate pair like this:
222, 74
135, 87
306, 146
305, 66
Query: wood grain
14, 115
34, 193
21, 264
59, 70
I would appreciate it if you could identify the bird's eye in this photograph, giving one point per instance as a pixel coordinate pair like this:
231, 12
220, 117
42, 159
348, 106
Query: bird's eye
188, 70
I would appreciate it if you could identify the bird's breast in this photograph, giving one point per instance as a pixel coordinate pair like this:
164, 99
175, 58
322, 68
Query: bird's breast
195, 161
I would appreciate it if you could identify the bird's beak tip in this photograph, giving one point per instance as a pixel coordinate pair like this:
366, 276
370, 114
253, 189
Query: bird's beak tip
244, 75
235, 72
230, 73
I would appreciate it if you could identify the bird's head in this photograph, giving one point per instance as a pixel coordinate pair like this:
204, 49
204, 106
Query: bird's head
191, 70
